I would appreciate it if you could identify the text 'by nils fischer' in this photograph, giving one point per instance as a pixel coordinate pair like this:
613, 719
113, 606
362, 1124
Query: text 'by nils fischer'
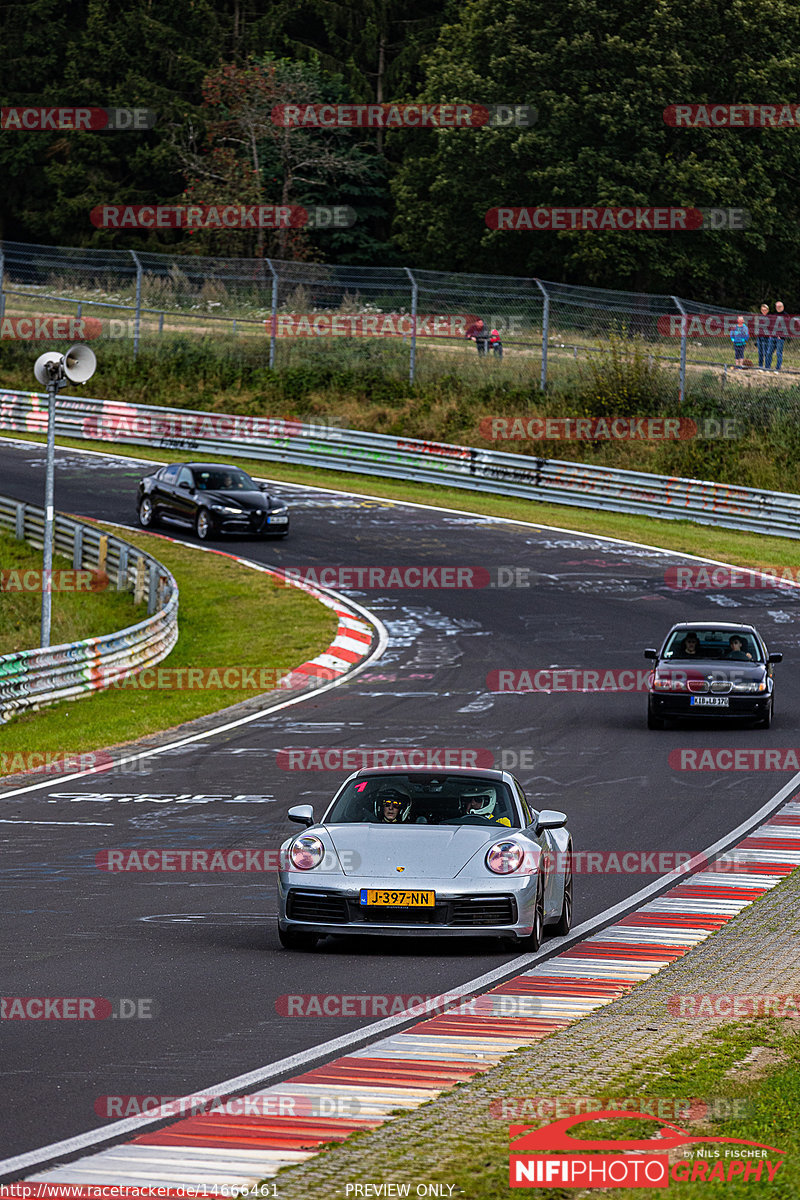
621, 220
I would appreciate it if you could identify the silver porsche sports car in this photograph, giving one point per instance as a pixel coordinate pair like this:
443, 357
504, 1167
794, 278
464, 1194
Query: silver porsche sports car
452, 853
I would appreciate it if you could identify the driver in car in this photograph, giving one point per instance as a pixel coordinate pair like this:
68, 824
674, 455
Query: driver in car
482, 802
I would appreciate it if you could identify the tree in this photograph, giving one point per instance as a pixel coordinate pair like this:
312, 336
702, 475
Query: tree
246, 158
601, 74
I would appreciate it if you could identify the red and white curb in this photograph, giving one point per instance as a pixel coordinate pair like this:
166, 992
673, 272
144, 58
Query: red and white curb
354, 635
237, 1148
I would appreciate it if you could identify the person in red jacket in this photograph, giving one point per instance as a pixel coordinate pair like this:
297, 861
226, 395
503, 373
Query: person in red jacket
495, 345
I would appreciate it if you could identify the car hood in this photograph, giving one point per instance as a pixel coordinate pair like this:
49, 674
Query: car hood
423, 851
235, 499
737, 670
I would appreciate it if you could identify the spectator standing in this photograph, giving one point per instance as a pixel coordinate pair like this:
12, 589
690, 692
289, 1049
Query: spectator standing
778, 339
739, 336
763, 338
479, 334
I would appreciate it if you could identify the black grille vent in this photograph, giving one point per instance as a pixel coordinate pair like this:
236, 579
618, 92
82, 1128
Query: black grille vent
483, 910
324, 907
373, 915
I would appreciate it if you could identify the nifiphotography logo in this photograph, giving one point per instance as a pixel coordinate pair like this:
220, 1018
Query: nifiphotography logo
548, 1156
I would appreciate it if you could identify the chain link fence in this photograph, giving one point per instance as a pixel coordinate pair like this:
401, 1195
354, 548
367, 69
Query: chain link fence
411, 323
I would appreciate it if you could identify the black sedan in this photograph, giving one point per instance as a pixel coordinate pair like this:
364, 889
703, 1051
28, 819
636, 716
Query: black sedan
719, 670
212, 498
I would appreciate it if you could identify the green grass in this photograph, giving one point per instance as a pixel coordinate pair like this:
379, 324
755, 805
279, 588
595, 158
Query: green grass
363, 384
74, 615
229, 616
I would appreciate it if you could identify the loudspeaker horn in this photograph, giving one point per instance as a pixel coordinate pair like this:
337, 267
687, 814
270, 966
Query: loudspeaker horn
80, 364
40, 366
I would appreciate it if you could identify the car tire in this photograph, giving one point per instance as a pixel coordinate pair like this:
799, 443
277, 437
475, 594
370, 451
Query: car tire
292, 939
654, 722
147, 513
766, 721
533, 941
564, 922
204, 525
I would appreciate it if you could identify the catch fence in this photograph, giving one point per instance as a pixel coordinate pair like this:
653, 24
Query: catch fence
413, 323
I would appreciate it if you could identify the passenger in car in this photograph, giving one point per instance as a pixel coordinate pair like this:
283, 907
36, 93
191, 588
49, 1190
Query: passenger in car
737, 648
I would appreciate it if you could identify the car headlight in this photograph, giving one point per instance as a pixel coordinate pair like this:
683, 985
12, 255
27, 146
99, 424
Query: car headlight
753, 686
306, 852
282, 509
669, 683
224, 508
503, 858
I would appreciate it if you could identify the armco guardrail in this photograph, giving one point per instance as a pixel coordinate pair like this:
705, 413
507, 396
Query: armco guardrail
279, 440
33, 678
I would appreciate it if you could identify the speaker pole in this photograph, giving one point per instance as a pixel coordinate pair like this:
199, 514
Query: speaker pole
52, 388
54, 371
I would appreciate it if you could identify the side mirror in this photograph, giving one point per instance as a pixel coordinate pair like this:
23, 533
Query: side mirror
301, 814
187, 487
651, 653
550, 818
776, 657
263, 487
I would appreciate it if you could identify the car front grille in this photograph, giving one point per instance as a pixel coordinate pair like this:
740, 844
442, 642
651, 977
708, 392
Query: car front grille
325, 907
372, 915
329, 908
483, 910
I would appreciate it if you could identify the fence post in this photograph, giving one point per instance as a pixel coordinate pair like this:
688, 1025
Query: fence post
137, 319
274, 313
412, 361
2, 293
545, 331
683, 313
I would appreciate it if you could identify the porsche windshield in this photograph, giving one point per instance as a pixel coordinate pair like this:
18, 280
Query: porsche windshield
425, 799
706, 642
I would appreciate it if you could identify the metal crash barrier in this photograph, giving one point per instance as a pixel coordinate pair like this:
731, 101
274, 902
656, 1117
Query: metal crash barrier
32, 678
281, 440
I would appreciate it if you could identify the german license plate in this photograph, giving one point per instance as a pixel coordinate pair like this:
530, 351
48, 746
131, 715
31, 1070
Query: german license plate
277, 520
710, 701
402, 899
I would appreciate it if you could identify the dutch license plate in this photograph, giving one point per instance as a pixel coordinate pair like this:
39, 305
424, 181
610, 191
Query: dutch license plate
710, 701
403, 899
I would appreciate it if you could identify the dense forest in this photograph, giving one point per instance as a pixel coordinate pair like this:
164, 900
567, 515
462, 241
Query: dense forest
600, 74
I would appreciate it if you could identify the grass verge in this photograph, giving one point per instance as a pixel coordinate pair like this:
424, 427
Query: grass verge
75, 615
284, 627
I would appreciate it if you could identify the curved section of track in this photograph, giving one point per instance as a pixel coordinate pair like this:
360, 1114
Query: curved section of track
203, 947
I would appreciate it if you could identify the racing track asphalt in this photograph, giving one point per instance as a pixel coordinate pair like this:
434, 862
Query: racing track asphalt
204, 947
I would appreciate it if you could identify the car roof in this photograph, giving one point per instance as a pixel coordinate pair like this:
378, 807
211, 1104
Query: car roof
468, 772
702, 623
213, 466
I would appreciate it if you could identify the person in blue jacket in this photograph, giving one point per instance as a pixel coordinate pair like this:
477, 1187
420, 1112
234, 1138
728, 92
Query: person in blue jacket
739, 336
